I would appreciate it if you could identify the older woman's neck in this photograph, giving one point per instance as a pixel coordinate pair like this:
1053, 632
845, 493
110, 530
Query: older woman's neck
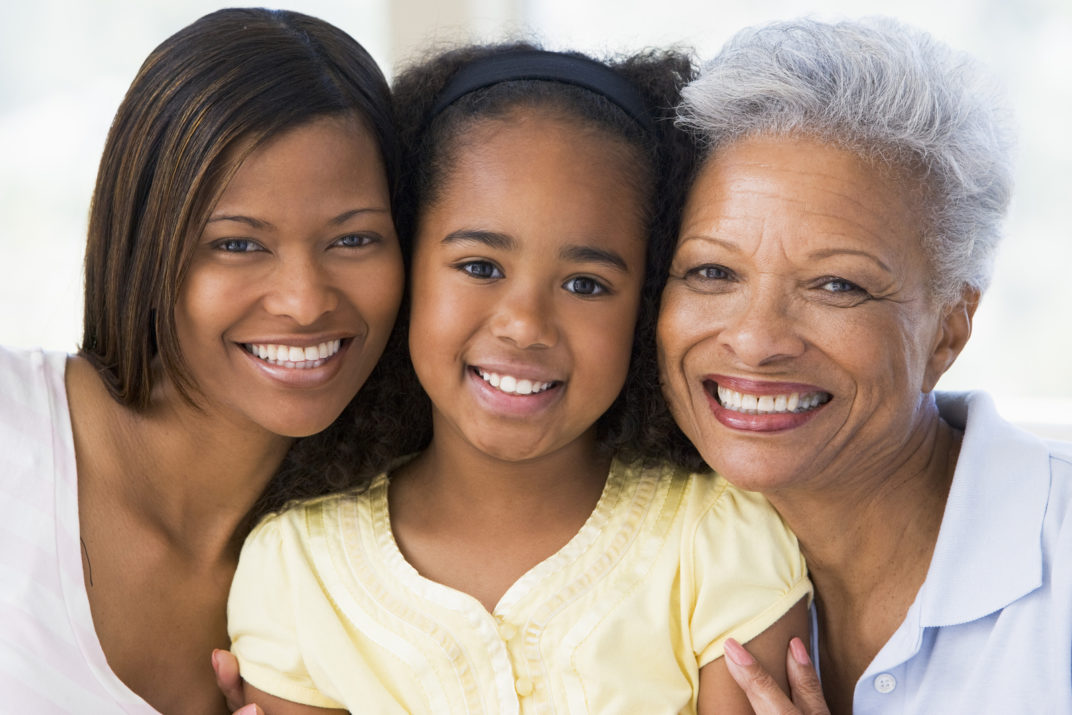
857, 527
868, 539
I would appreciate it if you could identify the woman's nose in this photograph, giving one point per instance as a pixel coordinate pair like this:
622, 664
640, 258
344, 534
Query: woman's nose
301, 290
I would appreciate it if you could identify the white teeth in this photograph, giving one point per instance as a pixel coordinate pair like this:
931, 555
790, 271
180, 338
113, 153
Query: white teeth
512, 385
770, 404
294, 356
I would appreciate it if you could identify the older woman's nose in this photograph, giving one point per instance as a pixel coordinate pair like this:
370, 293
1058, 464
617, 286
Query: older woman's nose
759, 331
302, 291
524, 316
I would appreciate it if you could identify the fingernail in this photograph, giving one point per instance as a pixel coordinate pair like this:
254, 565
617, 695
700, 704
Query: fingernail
736, 652
216, 659
800, 653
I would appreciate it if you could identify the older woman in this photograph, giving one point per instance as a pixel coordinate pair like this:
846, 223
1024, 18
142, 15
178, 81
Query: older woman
833, 250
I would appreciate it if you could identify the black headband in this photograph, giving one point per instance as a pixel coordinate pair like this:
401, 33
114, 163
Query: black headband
551, 67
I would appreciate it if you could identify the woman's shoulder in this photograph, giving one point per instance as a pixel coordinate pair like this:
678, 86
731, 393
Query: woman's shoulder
29, 373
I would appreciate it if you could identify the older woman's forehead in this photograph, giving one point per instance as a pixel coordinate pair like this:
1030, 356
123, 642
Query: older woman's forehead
802, 184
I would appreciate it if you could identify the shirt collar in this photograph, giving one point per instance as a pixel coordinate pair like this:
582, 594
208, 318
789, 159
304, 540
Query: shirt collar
989, 549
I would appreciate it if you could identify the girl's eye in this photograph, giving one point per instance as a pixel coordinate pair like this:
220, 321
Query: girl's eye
237, 245
480, 269
584, 285
355, 240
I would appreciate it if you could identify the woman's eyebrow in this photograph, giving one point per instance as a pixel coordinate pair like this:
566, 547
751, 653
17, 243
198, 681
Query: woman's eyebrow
248, 220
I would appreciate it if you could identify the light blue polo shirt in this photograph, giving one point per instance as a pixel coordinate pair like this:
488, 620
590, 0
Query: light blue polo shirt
990, 630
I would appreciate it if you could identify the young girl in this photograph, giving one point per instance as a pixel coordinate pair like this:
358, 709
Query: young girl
534, 556
242, 278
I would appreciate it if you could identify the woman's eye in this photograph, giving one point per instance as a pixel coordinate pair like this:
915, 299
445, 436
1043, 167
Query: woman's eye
355, 240
480, 269
237, 245
585, 285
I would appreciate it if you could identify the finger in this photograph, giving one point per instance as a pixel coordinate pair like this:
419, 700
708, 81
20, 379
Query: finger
762, 690
249, 710
228, 679
804, 681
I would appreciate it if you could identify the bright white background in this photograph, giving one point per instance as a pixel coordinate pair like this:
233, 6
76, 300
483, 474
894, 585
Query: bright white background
64, 65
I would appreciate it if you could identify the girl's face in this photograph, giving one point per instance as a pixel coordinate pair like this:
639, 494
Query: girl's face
295, 282
526, 282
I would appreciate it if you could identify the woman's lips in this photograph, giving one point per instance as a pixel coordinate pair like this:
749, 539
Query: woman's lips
295, 356
299, 366
756, 406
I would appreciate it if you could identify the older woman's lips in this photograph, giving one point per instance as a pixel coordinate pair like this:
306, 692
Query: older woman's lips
756, 406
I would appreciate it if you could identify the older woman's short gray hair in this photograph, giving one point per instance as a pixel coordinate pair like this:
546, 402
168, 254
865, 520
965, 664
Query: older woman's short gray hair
888, 93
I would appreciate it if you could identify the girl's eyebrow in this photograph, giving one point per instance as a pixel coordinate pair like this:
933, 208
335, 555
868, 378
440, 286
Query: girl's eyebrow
591, 254
490, 239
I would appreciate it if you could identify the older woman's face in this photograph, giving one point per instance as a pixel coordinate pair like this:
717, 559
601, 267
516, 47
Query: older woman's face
797, 336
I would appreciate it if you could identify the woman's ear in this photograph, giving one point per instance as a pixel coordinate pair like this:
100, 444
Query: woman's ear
954, 329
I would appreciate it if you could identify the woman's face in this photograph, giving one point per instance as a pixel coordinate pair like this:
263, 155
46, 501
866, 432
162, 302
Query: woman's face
295, 282
797, 335
526, 282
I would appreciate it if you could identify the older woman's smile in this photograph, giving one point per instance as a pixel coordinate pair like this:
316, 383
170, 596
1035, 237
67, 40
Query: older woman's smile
762, 406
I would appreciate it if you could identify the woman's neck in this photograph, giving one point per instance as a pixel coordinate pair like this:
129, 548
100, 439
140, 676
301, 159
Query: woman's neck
192, 475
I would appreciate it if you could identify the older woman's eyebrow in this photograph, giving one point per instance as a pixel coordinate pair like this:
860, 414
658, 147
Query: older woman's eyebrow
591, 254
491, 239
727, 244
828, 252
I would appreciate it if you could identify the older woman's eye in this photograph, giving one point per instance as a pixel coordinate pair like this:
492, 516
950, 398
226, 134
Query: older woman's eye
485, 270
840, 285
711, 273
708, 277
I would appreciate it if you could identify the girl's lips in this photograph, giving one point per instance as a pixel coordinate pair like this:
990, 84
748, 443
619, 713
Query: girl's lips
509, 397
760, 406
512, 384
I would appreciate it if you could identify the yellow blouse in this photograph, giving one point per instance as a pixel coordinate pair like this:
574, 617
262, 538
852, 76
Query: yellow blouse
324, 610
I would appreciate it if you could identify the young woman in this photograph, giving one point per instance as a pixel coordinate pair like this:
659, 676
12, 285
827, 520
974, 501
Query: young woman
242, 278
536, 555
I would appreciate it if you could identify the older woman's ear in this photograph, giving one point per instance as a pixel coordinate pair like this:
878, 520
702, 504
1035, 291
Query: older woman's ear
954, 331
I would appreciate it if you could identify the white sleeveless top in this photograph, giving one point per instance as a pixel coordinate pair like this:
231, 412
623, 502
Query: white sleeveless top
50, 658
